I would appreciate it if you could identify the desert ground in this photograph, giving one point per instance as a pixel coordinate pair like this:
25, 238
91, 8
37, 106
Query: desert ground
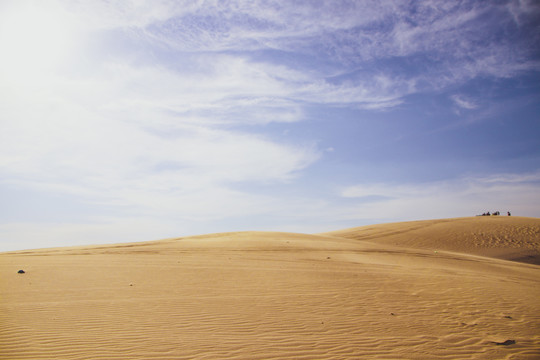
464, 288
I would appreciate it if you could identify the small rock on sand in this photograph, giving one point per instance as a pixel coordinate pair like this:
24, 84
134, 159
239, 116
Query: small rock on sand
507, 342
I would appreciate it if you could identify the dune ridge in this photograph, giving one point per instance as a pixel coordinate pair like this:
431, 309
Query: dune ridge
503, 237
416, 290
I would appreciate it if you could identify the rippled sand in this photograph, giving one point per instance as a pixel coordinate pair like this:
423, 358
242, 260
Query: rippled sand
463, 288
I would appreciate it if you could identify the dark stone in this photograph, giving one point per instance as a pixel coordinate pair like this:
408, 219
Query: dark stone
20, 272
506, 343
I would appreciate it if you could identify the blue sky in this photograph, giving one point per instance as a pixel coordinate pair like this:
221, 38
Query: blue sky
139, 120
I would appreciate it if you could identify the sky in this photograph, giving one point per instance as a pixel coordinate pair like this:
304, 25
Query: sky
136, 120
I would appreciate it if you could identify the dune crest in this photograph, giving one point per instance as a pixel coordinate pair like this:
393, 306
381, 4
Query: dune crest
374, 292
503, 237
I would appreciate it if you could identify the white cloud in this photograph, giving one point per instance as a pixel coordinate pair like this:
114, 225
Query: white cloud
454, 40
523, 10
464, 102
216, 92
74, 144
149, 137
103, 14
220, 26
510, 178
462, 197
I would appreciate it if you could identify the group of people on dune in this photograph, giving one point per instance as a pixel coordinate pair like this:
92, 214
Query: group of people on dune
495, 213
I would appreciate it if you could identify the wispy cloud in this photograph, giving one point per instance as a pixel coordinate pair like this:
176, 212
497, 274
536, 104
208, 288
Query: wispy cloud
523, 10
84, 146
464, 102
518, 193
454, 42
151, 138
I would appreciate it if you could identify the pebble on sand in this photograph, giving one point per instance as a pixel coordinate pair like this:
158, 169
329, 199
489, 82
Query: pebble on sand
505, 343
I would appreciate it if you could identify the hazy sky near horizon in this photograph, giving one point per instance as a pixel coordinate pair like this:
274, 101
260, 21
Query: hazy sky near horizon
138, 120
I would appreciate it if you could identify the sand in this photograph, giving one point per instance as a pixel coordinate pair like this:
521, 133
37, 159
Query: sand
441, 289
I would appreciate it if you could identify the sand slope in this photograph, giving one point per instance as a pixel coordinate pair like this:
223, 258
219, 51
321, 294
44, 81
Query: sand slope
511, 238
254, 295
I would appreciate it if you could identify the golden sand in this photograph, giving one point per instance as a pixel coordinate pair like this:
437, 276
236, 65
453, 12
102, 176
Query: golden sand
441, 289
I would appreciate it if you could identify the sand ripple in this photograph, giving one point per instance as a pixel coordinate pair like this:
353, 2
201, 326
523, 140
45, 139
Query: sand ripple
266, 296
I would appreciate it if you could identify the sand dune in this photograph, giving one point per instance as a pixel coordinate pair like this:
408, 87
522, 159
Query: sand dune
417, 290
511, 238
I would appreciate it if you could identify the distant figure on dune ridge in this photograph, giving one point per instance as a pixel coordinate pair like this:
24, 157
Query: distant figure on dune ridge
495, 213
509, 214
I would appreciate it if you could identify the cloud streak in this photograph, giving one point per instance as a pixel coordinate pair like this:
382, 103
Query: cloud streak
464, 103
503, 192
454, 42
